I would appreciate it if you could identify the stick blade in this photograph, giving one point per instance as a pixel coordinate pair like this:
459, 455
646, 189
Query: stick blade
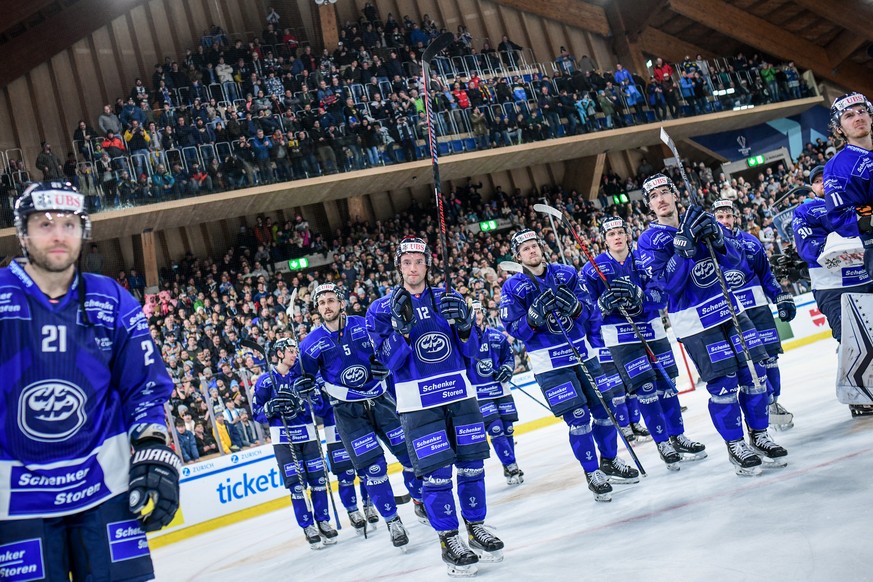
668, 141
546, 209
510, 266
437, 46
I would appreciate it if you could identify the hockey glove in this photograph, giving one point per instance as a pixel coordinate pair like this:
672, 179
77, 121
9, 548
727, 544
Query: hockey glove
865, 219
683, 241
610, 302
378, 370
455, 309
153, 490
402, 317
567, 302
786, 307
625, 288
707, 229
305, 386
503, 374
285, 405
540, 309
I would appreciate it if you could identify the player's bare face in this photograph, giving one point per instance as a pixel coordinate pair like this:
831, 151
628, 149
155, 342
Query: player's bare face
480, 318
54, 240
725, 218
818, 186
856, 123
616, 240
413, 267
290, 357
530, 254
662, 202
329, 307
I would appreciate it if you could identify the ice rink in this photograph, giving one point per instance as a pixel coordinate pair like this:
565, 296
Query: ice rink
808, 521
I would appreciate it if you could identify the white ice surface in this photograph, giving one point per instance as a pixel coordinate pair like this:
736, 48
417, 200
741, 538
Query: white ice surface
808, 521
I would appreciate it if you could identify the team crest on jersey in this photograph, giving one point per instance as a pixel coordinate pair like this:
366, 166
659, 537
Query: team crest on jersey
484, 367
354, 376
703, 273
51, 410
433, 347
565, 322
734, 278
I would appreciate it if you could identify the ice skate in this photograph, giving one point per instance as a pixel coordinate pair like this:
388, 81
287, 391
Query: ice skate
328, 534
313, 537
460, 560
744, 459
360, 523
771, 454
513, 474
628, 433
669, 455
371, 514
487, 546
780, 419
399, 536
599, 485
859, 410
619, 472
688, 449
641, 433
420, 512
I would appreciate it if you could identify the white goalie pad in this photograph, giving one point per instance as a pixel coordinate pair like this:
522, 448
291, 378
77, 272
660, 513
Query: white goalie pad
841, 252
855, 371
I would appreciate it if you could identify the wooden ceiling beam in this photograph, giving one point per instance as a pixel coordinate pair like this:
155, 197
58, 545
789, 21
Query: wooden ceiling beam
638, 14
842, 47
769, 38
670, 48
849, 14
574, 13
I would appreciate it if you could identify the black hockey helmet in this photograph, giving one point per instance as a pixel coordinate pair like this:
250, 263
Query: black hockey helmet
724, 204
50, 196
656, 181
843, 102
281, 345
412, 244
614, 222
522, 236
327, 288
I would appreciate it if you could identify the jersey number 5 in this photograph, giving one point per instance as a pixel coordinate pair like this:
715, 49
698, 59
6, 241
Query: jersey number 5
54, 338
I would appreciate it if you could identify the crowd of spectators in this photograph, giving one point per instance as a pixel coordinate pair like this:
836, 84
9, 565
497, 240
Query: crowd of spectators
233, 114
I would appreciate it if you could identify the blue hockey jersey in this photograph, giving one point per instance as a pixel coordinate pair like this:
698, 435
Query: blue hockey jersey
847, 185
343, 358
694, 298
494, 352
548, 347
301, 427
811, 228
758, 284
430, 368
615, 329
72, 390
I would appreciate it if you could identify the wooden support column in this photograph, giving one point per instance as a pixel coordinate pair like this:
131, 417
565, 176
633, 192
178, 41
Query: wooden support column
145, 254
329, 29
359, 209
332, 213
583, 175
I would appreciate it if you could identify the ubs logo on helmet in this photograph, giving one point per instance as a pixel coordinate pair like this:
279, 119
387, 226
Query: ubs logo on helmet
354, 375
484, 367
734, 278
703, 273
51, 410
433, 348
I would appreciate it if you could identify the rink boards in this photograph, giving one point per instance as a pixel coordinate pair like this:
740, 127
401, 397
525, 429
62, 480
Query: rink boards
241, 485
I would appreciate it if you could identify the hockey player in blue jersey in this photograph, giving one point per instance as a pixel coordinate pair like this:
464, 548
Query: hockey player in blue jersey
83, 385
811, 228
848, 176
757, 287
629, 289
341, 351
424, 336
673, 250
528, 311
490, 374
293, 433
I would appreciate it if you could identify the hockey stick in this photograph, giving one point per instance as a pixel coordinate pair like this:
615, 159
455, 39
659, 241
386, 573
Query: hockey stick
436, 46
728, 296
653, 359
529, 395
513, 267
256, 347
